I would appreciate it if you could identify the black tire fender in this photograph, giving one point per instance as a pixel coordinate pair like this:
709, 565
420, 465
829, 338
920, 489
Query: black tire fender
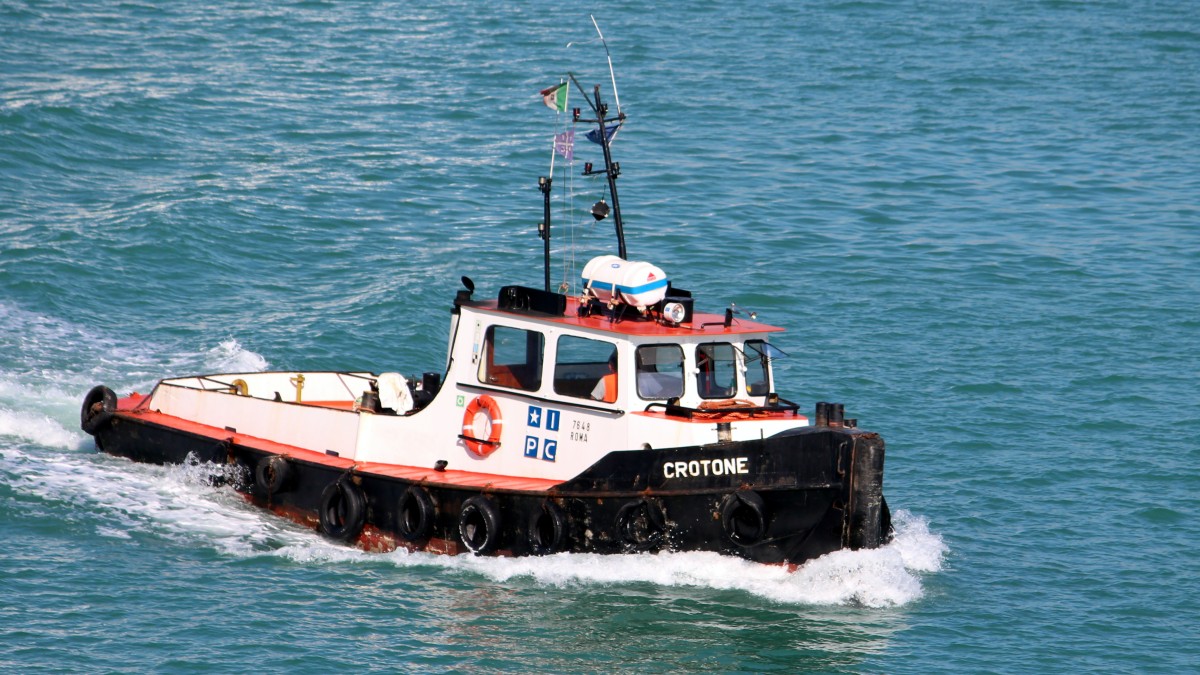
99, 408
744, 517
479, 524
641, 525
415, 514
343, 510
273, 474
547, 529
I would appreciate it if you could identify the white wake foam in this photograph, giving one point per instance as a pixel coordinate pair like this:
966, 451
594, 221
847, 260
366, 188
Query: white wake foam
48, 364
176, 502
37, 428
231, 357
884, 577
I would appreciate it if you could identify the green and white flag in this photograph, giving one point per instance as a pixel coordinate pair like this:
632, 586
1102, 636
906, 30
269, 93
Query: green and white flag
556, 97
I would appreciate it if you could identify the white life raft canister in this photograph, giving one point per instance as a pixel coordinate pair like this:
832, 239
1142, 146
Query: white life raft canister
613, 279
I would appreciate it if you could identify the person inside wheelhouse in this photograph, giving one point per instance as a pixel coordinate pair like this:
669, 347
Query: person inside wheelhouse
606, 388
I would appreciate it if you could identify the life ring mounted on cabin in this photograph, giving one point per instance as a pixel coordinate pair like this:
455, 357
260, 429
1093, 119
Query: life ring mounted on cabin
479, 446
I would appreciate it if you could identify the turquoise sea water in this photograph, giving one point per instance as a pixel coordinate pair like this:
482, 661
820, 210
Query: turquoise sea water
980, 223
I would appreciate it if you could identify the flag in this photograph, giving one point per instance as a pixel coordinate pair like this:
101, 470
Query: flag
610, 132
564, 144
556, 97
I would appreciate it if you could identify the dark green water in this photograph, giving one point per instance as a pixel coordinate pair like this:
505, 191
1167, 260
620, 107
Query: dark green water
979, 221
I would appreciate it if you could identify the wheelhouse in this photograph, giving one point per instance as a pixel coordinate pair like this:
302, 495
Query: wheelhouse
601, 357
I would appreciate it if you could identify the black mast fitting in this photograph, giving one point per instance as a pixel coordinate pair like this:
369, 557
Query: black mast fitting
611, 169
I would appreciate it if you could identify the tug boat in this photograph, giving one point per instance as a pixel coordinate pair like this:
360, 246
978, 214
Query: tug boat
616, 420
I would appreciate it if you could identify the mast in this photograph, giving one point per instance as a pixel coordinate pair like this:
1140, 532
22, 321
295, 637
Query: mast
544, 182
611, 169
544, 226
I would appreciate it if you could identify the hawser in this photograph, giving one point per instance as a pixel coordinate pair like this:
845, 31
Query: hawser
616, 420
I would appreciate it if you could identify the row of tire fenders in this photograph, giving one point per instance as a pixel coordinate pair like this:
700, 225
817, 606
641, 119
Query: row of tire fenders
640, 523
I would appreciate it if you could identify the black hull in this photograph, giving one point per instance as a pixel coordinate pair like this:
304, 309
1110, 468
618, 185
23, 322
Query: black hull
813, 490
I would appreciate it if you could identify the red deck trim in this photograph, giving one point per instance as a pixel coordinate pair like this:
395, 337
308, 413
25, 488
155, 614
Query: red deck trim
639, 327
338, 405
730, 415
130, 402
484, 481
244, 440
427, 475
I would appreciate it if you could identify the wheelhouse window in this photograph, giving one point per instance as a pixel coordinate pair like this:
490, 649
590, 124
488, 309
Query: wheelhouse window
659, 371
758, 371
512, 357
717, 366
586, 368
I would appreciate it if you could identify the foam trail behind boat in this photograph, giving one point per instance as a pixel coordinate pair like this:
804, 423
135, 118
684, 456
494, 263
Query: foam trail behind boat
885, 577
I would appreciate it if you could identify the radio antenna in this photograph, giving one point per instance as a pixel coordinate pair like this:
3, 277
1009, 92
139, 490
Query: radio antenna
612, 76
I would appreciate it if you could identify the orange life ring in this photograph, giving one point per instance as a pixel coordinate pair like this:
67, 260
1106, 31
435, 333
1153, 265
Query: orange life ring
475, 444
